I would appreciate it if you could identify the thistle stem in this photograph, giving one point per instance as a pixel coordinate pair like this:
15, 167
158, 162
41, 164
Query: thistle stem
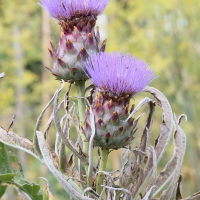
80, 87
104, 158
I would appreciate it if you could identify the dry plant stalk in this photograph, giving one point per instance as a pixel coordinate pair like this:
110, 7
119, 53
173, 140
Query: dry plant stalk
125, 183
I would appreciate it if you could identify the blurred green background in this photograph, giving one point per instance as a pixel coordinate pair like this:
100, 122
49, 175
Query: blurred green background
165, 34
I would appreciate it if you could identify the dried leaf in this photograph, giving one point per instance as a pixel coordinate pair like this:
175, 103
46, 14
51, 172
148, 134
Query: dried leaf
90, 154
180, 146
46, 191
38, 124
154, 174
166, 174
48, 125
163, 140
195, 196
14, 140
147, 130
69, 186
147, 196
67, 142
179, 189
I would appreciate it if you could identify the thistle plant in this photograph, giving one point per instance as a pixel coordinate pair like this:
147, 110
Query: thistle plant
117, 78
106, 121
78, 40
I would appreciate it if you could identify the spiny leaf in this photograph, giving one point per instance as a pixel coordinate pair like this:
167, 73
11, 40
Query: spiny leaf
11, 176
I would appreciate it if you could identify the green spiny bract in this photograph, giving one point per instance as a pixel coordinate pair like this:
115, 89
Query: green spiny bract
77, 42
112, 131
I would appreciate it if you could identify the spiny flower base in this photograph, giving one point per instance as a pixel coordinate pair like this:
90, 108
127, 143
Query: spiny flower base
112, 129
76, 44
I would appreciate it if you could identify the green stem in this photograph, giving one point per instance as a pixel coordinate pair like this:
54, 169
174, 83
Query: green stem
104, 158
80, 86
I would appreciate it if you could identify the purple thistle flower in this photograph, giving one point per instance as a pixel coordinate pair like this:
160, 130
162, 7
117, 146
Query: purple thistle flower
69, 9
118, 74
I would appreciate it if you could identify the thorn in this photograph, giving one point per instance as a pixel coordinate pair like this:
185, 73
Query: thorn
131, 120
92, 22
87, 126
132, 108
74, 70
107, 135
121, 99
51, 53
60, 62
90, 39
75, 32
49, 69
55, 75
52, 45
126, 140
80, 25
69, 46
103, 46
126, 108
96, 97
110, 103
98, 34
61, 32
100, 121
121, 128
134, 131
65, 27
115, 116
87, 109
89, 26
12, 122
98, 104
83, 54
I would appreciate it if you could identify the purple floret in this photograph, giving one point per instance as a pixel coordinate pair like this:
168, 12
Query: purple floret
118, 74
68, 9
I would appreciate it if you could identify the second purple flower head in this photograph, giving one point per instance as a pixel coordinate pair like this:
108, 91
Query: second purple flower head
117, 78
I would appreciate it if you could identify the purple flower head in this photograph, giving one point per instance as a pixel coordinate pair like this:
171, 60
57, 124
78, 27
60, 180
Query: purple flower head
118, 74
69, 9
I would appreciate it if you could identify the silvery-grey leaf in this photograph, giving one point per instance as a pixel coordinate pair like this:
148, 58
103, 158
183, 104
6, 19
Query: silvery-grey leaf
147, 196
69, 186
180, 146
60, 131
90, 168
162, 142
12, 139
195, 196
38, 124
147, 130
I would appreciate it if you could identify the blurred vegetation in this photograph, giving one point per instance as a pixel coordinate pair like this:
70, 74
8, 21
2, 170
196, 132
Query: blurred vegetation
166, 34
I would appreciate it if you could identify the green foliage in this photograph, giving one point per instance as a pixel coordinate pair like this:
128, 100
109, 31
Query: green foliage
11, 176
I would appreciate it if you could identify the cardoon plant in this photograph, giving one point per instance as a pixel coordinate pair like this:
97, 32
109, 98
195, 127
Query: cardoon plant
117, 78
108, 125
78, 40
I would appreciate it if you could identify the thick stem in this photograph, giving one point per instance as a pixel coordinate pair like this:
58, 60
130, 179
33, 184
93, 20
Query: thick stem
104, 158
80, 86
